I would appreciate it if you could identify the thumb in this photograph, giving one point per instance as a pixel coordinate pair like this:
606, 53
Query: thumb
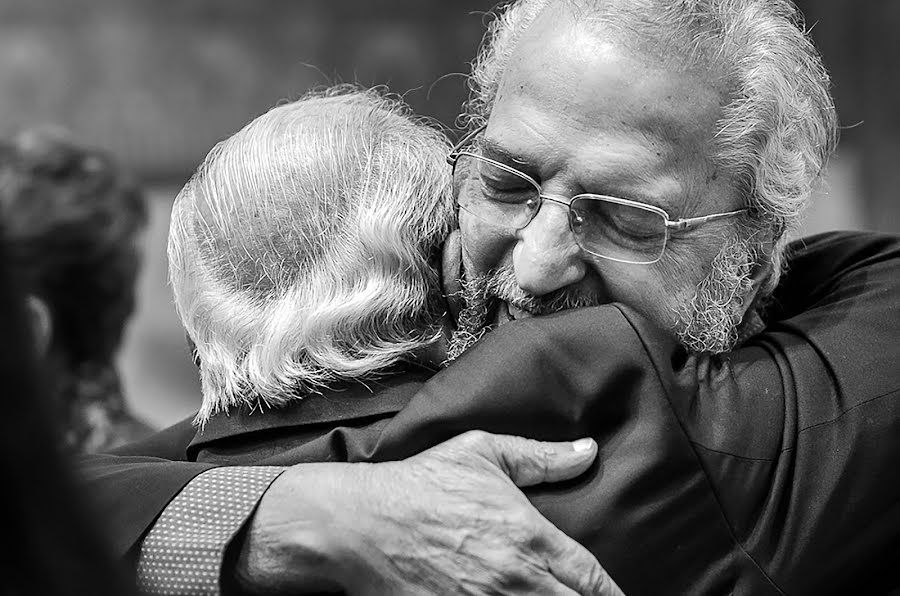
528, 462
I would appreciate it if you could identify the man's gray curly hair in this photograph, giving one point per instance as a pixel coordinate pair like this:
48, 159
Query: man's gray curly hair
302, 252
779, 127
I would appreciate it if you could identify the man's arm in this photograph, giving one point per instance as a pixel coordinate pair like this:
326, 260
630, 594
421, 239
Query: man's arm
133, 484
130, 492
809, 413
449, 515
797, 433
447, 521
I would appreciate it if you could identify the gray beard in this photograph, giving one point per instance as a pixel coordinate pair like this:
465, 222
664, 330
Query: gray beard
707, 321
472, 322
482, 294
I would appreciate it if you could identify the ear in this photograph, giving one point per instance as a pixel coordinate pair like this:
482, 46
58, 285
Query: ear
460, 173
41, 323
451, 271
193, 349
760, 276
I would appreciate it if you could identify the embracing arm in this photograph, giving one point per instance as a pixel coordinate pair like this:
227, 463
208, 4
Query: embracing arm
134, 484
800, 428
347, 525
448, 520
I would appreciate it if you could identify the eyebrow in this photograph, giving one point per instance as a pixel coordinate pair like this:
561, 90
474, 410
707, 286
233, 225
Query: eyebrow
498, 153
495, 151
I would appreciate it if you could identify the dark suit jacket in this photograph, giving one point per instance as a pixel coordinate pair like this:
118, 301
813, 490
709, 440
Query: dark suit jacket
772, 470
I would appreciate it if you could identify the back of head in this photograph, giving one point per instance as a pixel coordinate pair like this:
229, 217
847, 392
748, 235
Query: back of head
302, 252
74, 221
777, 126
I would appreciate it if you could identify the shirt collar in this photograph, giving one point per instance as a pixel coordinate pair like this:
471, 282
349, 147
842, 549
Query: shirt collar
342, 404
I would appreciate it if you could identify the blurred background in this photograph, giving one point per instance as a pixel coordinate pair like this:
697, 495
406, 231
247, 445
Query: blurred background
159, 82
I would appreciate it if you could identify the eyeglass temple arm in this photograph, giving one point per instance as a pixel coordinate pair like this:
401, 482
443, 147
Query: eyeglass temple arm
453, 156
681, 224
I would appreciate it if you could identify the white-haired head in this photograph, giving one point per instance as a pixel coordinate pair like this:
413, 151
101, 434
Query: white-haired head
778, 126
303, 250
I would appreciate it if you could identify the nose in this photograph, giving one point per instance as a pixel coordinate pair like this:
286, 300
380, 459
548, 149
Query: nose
546, 257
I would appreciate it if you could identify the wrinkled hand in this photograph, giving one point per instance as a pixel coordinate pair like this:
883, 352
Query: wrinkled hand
447, 521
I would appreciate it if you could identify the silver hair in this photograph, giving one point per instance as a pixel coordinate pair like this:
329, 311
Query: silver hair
302, 252
779, 125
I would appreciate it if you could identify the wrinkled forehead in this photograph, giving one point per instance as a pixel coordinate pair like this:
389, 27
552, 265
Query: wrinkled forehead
589, 71
615, 119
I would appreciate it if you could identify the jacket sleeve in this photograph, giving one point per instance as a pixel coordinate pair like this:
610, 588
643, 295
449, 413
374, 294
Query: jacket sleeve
131, 491
799, 430
131, 486
185, 550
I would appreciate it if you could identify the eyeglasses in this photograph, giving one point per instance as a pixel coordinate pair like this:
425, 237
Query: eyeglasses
611, 228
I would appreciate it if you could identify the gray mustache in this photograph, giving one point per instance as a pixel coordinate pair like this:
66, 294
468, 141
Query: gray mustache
502, 284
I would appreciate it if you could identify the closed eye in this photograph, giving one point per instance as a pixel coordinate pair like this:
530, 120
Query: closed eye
502, 186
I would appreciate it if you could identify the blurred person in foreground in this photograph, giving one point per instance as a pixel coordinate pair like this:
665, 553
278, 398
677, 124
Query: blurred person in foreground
74, 223
605, 167
50, 545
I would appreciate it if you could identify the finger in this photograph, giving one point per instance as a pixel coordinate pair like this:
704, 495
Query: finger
550, 585
529, 462
575, 567
532, 579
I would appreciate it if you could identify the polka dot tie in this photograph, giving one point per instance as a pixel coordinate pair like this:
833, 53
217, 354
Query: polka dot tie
183, 552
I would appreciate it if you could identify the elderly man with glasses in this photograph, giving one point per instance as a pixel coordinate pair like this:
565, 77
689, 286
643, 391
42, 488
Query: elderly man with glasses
611, 228
650, 159
605, 228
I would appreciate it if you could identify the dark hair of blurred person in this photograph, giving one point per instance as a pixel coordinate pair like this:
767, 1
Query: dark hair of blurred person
49, 545
73, 223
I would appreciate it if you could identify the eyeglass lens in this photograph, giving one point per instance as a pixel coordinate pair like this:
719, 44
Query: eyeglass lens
606, 228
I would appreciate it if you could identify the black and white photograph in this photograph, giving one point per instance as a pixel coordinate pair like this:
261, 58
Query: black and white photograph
426, 298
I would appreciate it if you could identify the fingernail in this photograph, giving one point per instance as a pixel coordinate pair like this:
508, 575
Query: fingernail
583, 444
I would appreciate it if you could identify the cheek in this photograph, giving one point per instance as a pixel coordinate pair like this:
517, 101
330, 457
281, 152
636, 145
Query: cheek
672, 289
687, 259
685, 264
655, 295
484, 246
655, 291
